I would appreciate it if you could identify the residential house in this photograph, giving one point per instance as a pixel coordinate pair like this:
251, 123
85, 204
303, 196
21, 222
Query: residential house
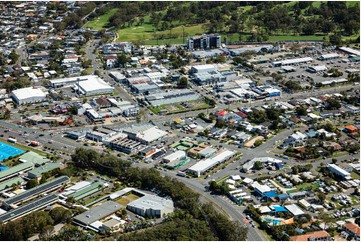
353, 229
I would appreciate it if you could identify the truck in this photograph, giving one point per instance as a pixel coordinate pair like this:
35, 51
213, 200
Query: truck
34, 143
12, 140
181, 173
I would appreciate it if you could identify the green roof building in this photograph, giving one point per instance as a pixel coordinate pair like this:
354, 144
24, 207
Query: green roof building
7, 184
88, 190
15, 170
33, 157
37, 172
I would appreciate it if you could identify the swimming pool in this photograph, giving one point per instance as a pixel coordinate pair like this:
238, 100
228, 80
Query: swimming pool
272, 221
7, 150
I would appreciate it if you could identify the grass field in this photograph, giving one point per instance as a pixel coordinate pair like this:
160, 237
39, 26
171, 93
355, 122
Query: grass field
124, 200
147, 35
101, 21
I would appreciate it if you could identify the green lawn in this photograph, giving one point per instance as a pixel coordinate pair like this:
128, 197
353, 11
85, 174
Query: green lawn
354, 175
100, 22
293, 37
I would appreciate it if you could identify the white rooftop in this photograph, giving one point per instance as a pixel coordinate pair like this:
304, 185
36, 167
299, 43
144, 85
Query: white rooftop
28, 92
94, 84
176, 155
151, 134
294, 209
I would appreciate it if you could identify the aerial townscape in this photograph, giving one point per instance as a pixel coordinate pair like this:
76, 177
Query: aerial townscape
171, 120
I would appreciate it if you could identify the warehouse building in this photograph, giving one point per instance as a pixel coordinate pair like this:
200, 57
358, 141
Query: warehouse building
29, 208
163, 98
117, 76
92, 86
209, 78
351, 51
294, 61
33, 192
202, 68
315, 69
97, 213
151, 205
28, 95
144, 133
176, 156
338, 171
203, 166
69, 81
329, 56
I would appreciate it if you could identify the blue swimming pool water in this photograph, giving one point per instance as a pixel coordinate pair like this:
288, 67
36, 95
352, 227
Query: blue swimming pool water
273, 221
7, 150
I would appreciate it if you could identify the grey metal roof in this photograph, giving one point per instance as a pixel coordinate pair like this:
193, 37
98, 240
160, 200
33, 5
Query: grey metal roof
37, 190
39, 203
97, 213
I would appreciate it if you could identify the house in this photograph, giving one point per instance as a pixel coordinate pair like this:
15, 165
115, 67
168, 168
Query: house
320, 235
350, 130
338, 171
353, 229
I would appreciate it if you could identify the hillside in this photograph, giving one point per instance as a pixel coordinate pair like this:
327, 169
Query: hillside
171, 22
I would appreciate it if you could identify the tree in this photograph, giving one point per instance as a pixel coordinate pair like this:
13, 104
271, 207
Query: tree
333, 104
87, 35
122, 60
182, 82
258, 165
70, 233
60, 214
301, 110
32, 183
73, 110
13, 56
46, 232
336, 39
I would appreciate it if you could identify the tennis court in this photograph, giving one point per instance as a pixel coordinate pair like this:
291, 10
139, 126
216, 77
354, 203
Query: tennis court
7, 150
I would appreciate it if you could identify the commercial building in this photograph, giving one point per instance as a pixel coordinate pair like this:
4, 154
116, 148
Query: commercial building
28, 95
292, 61
209, 78
69, 81
249, 165
204, 41
123, 144
320, 235
315, 69
204, 165
260, 189
117, 76
203, 68
350, 51
257, 49
29, 208
144, 133
33, 192
97, 213
93, 86
151, 205
174, 157
329, 56
163, 98
338, 171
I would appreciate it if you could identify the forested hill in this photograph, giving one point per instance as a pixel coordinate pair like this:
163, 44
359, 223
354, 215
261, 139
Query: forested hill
258, 19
